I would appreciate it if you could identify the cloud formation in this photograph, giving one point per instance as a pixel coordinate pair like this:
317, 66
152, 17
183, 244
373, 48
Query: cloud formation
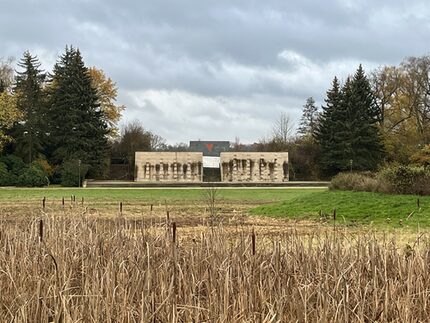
218, 70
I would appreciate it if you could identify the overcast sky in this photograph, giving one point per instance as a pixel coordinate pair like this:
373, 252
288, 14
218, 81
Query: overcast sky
216, 70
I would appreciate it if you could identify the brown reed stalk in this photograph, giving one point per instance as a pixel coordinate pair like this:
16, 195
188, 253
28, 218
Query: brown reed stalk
174, 232
253, 241
98, 269
40, 231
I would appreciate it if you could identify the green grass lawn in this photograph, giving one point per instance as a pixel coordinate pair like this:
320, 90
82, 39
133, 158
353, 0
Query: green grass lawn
155, 195
351, 207
354, 208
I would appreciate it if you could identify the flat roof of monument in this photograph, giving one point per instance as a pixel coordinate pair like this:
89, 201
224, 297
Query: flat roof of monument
211, 148
158, 153
254, 153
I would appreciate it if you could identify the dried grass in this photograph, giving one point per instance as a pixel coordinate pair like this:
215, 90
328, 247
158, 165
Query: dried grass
73, 268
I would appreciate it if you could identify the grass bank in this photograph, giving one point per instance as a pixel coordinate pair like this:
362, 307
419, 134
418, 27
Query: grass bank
354, 208
152, 195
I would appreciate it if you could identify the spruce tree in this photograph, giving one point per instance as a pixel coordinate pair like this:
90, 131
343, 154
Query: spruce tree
365, 138
348, 132
326, 128
30, 132
77, 129
308, 122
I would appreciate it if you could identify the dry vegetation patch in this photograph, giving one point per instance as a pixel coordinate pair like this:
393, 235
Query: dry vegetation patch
78, 265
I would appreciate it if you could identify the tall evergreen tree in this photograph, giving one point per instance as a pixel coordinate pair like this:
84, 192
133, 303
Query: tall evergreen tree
326, 128
30, 132
77, 129
309, 119
348, 133
364, 114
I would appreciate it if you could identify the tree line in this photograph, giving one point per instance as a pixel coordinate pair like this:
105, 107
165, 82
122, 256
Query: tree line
366, 122
53, 123
60, 126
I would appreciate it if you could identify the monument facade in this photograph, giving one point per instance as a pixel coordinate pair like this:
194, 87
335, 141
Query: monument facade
214, 162
256, 167
169, 167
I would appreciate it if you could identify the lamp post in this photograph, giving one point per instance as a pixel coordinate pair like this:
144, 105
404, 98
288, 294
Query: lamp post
79, 167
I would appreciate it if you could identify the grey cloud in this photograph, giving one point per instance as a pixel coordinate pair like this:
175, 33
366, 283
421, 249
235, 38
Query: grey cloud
224, 60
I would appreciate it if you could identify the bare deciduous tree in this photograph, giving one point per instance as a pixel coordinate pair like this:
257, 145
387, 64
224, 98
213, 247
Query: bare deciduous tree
283, 128
134, 137
156, 142
6, 73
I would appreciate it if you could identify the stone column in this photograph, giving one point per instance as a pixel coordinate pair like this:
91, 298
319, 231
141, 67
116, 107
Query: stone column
266, 171
255, 169
242, 170
188, 173
161, 175
247, 170
224, 172
272, 171
147, 171
285, 172
200, 171
275, 171
158, 170
180, 171
235, 171
174, 165
168, 172
269, 175
194, 171
152, 172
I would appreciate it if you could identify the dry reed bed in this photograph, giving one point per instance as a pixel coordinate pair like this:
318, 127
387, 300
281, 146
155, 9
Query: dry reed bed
86, 270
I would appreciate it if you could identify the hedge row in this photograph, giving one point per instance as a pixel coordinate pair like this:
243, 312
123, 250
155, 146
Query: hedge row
14, 172
392, 180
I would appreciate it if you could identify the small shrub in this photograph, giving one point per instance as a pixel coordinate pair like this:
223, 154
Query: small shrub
395, 179
3, 170
406, 179
356, 182
44, 165
422, 157
70, 173
7, 178
33, 176
14, 164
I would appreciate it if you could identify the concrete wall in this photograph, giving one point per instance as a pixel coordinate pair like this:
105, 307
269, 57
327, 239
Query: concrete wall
254, 167
169, 167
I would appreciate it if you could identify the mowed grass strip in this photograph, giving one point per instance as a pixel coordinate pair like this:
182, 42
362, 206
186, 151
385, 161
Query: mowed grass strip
353, 208
151, 195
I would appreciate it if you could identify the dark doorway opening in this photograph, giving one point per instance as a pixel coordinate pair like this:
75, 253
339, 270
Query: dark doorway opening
211, 175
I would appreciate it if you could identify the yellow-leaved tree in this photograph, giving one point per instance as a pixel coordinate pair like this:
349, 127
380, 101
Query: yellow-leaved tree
107, 92
9, 114
403, 97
